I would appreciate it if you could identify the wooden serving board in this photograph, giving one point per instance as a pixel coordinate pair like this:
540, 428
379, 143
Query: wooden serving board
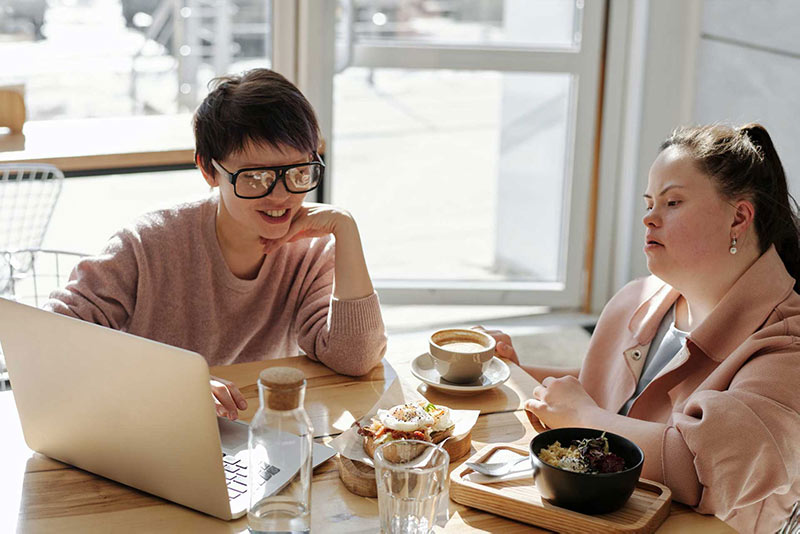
359, 478
519, 499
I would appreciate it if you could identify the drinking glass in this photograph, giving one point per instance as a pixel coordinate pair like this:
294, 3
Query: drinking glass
412, 485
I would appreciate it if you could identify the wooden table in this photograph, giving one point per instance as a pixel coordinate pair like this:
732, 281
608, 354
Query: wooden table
104, 145
38, 494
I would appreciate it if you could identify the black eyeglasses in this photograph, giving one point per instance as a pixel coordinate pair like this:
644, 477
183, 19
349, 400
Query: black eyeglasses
259, 182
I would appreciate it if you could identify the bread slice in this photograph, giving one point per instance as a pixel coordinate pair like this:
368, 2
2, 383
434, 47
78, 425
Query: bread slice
441, 435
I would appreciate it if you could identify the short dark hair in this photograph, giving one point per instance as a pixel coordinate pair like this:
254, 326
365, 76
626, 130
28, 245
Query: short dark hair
258, 106
743, 163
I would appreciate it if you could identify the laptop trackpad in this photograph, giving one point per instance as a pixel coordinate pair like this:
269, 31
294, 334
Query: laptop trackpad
233, 437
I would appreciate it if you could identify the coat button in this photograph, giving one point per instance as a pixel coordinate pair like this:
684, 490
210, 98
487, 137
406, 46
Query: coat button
637, 355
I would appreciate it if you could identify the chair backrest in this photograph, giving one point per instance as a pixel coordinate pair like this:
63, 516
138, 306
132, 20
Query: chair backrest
28, 196
29, 276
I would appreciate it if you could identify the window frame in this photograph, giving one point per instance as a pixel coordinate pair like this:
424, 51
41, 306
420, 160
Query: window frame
314, 62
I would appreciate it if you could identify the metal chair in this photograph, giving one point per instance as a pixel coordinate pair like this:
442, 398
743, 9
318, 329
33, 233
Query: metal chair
28, 196
48, 270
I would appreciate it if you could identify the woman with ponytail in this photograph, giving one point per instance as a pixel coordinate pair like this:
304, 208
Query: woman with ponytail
699, 364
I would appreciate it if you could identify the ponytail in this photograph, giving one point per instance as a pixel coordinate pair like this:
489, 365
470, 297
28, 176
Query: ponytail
778, 219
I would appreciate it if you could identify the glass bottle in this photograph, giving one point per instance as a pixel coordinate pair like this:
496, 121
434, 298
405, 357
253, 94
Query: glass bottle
280, 440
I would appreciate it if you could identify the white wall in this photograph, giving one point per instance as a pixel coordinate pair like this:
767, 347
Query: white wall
748, 70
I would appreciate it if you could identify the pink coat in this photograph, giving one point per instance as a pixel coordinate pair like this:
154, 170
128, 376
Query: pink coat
720, 425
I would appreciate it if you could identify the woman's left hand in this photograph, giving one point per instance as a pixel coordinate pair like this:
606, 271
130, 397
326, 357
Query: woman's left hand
311, 220
351, 277
561, 402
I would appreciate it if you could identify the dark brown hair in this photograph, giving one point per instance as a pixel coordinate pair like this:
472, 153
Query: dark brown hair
259, 106
743, 163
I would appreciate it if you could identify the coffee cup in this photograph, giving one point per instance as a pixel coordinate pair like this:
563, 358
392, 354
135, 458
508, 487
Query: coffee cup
461, 355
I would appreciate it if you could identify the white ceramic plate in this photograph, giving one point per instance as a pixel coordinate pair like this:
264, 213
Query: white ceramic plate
496, 373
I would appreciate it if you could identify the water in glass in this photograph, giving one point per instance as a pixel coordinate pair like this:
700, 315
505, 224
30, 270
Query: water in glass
412, 485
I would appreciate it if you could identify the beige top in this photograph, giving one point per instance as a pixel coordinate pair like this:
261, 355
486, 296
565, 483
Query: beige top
164, 278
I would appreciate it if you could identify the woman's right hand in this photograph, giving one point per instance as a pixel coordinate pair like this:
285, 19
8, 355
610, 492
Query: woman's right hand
228, 400
503, 348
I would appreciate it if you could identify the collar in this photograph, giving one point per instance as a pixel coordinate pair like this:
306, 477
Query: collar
743, 309
646, 319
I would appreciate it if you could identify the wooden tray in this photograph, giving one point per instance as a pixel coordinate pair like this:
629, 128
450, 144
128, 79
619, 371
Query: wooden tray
519, 499
359, 478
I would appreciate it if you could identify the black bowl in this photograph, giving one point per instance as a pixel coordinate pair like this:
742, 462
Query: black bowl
582, 492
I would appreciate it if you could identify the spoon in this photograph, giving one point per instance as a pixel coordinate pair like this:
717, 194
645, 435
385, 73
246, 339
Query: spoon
495, 469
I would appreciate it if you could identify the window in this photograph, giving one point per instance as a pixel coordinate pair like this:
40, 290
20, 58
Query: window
461, 137
127, 57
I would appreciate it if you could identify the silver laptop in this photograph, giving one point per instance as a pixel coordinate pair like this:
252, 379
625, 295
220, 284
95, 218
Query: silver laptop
129, 409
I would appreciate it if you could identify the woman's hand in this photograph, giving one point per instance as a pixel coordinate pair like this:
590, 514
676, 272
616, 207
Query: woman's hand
228, 400
503, 347
311, 220
560, 402
351, 277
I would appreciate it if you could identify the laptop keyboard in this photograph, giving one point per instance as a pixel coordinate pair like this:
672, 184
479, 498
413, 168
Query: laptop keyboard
236, 474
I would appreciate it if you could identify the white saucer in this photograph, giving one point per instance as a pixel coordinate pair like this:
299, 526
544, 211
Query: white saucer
496, 373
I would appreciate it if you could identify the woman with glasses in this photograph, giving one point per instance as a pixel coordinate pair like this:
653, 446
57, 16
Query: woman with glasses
254, 272
699, 364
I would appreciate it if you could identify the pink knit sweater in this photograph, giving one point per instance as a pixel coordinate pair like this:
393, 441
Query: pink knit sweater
164, 278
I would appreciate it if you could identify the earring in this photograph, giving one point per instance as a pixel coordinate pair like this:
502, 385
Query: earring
733, 245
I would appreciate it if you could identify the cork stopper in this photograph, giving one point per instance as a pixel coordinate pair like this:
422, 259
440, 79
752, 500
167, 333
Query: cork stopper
285, 387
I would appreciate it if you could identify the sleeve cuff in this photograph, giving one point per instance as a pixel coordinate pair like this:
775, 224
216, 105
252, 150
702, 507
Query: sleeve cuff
356, 316
678, 467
